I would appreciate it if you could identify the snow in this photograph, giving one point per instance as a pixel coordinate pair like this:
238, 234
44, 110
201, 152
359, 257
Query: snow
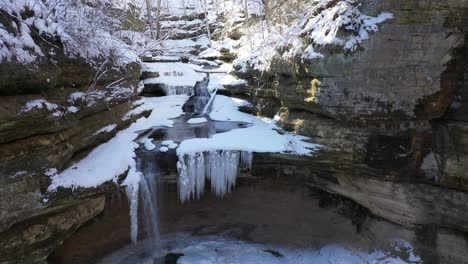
219, 250
430, 165
19, 173
148, 144
301, 36
322, 25
164, 149
115, 157
257, 48
184, 46
106, 129
38, 104
85, 29
197, 120
73, 109
230, 80
174, 74
170, 144
162, 58
209, 53
225, 108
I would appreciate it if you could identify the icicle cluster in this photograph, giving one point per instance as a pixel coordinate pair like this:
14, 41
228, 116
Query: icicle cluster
178, 90
220, 167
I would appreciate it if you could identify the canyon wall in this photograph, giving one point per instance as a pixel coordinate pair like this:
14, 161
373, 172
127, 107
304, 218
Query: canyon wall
49, 118
392, 116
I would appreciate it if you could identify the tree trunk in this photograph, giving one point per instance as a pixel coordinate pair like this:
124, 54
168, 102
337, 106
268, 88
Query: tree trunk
150, 16
158, 20
246, 7
208, 31
266, 10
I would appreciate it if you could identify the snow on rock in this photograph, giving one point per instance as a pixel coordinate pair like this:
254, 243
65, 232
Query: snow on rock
106, 129
225, 108
230, 80
327, 22
175, 76
184, 46
197, 120
73, 109
38, 104
334, 23
85, 30
210, 53
170, 144
148, 144
256, 49
115, 157
164, 149
338, 23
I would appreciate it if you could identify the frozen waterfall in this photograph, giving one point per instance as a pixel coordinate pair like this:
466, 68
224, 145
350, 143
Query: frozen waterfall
178, 89
221, 167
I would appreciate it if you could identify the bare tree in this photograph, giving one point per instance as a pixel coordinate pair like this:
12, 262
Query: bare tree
158, 20
207, 21
246, 7
150, 16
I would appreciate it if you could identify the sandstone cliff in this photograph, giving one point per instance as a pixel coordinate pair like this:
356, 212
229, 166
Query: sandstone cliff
391, 115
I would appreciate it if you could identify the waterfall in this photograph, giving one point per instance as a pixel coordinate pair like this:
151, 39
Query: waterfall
196, 104
149, 185
221, 167
144, 195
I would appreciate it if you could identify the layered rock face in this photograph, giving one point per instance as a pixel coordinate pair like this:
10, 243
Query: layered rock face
392, 116
45, 126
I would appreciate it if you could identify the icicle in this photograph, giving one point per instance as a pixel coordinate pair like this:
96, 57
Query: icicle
178, 90
184, 189
200, 174
246, 159
132, 194
220, 167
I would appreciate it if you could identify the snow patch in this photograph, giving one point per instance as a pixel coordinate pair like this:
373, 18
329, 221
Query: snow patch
164, 149
197, 120
115, 157
38, 104
106, 129
148, 143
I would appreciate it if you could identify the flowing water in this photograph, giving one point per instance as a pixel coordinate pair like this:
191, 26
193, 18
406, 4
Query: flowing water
220, 167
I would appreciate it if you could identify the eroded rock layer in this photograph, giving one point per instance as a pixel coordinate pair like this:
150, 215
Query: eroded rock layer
392, 115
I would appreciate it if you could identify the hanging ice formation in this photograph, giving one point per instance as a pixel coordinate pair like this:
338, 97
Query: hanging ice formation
219, 166
178, 89
132, 194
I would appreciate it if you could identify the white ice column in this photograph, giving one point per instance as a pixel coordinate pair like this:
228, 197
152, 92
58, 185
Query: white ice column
221, 167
